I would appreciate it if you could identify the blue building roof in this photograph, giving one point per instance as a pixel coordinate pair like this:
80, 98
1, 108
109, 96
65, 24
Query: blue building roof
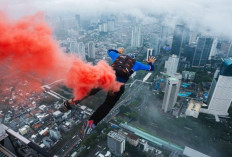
226, 68
227, 61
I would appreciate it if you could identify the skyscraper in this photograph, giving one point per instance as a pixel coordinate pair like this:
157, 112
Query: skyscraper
156, 42
91, 50
224, 47
73, 47
189, 52
78, 20
171, 92
116, 143
103, 27
149, 53
136, 38
193, 37
230, 50
213, 50
110, 25
172, 64
220, 95
180, 39
81, 50
202, 52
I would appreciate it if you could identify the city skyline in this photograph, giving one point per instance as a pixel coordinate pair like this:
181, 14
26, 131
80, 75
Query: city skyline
192, 76
192, 13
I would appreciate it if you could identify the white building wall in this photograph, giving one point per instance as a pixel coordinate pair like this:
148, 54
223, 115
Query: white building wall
149, 53
74, 47
172, 64
81, 50
213, 50
116, 146
136, 39
91, 50
170, 96
221, 96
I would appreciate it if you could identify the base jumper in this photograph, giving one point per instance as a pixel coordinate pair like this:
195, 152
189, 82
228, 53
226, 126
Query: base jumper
124, 66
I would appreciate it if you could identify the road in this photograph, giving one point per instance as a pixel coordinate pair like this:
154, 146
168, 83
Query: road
70, 145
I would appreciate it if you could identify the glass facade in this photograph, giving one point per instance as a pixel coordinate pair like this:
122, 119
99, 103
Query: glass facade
202, 51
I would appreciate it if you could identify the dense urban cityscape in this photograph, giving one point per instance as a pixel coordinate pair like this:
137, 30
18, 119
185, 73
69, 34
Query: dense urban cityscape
182, 108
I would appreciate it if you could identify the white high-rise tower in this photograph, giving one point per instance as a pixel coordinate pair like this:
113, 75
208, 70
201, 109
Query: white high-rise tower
91, 50
81, 50
220, 95
136, 38
149, 53
171, 92
172, 64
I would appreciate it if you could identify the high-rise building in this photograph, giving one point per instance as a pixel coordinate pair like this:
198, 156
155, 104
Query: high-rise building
110, 25
107, 26
136, 38
149, 53
171, 92
81, 50
73, 47
202, 52
180, 39
172, 64
220, 94
224, 47
189, 51
193, 37
103, 27
91, 50
116, 143
169, 41
230, 50
213, 50
78, 20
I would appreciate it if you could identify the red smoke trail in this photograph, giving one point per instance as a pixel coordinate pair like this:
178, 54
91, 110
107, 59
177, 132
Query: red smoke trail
27, 46
83, 77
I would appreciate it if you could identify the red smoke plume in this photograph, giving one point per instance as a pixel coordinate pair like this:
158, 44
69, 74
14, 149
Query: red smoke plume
83, 77
27, 46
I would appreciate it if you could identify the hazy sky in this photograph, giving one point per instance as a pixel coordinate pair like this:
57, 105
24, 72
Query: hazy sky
215, 15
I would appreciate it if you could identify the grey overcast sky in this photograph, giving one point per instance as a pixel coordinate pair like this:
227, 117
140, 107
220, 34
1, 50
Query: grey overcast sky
215, 15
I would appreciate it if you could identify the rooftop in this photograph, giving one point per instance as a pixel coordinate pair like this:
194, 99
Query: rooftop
133, 136
57, 113
116, 136
192, 153
194, 106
